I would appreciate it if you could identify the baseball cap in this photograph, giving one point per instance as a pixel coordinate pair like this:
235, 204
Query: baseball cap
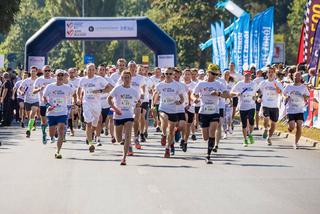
60, 71
213, 67
201, 72
247, 72
132, 63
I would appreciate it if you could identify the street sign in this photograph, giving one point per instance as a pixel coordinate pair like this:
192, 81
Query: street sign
145, 59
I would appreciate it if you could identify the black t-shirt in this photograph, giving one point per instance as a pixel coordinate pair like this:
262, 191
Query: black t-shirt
8, 85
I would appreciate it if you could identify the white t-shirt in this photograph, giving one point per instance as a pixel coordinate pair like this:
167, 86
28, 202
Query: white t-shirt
169, 94
155, 79
258, 80
58, 97
115, 76
104, 96
196, 104
74, 83
270, 97
247, 90
125, 99
236, 76
222, 101
16, 86
90, 85
190, 87
296, 102
184, 90
27, 87
209, 104
41, 81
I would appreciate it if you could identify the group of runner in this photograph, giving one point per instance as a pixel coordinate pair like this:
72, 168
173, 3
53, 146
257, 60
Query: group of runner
122, 98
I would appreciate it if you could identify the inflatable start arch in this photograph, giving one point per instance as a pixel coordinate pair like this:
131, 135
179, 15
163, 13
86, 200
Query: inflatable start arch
69, 28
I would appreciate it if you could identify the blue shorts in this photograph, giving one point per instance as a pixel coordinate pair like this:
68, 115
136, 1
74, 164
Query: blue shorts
121, 122
54, 120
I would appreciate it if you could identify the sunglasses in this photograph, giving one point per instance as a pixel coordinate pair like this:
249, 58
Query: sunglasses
214, 74
47, 70
168, 74
60, 75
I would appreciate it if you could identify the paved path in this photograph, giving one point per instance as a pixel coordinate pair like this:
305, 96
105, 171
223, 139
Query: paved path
257, 179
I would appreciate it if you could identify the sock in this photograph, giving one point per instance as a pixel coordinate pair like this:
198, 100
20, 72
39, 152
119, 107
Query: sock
90, 142
70, 123
30, 124
43, 128
210, 146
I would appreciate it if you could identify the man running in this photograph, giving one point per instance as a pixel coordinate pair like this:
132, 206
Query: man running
246, 90
92, 86
296, 96
121, 66
20, 98
208, 93
156, 78
74, 84
30, 99
236, 77
259, 78
270, 90
55, 98
39, 86
170, 95
123, 99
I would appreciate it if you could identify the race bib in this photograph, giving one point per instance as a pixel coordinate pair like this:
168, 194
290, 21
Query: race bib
89, 93
58, 103
125, 104
208, 109
169, 100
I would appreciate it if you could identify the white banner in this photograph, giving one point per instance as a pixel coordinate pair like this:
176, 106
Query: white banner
38, 61
279, 55
165, 61
1, 61
101, 29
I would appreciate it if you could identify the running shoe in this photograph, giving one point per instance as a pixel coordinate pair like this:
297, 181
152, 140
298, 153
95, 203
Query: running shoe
137, 145
269, 143
71, 133
230, 131
113, 140
265, 134
58, 156
256, 128
97, 139
22, 124
130, 151
142, 138
53, 140
215, 149
295, 146
172, 149
208, 160
193, 137
44, 139
158, 129
146, 134
64, 139
34, 128
28, 133
177, 136
167, 153
123, 163
99, 144
184, 147
122, 142
245, 143
251, 140
91, 148
163, 140
102, 131
181, 143
106, 132
224, 136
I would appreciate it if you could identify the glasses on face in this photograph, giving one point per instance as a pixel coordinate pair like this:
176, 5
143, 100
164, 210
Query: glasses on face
47, 70
168, 74
214, 74
60, 75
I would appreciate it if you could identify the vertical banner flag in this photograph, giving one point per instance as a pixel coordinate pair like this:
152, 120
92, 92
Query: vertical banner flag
309, 119
254, 40
300, 58
315, 47
312, 16
246, 40
221, 45
215, 52
266, 38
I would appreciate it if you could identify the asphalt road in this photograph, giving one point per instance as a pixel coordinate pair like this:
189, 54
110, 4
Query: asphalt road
257, 179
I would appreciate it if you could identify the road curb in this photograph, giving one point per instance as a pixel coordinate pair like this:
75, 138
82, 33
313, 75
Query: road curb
308, 141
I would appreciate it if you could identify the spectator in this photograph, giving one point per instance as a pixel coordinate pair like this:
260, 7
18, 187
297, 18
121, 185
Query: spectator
6, 100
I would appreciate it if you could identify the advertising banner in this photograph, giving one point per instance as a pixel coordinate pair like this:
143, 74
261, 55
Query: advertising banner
38, 61
266, 38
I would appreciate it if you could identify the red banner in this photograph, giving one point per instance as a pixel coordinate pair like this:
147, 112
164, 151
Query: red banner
309, 121
301, 47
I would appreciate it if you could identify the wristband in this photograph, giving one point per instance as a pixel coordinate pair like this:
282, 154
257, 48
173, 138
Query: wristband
101, 90
48, 105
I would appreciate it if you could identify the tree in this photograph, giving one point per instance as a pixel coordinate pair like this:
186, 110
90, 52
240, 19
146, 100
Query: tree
8, 8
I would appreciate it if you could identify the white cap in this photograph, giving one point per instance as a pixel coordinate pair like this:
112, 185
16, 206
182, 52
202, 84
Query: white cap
60, 71
253, 65
201, 72
245, 67
132, 63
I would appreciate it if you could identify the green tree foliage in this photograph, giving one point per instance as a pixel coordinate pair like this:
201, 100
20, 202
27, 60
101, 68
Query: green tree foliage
8, 9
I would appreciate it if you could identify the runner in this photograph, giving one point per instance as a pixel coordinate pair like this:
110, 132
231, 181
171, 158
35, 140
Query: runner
20, 98
208, 93
246, 90
236, 77
74, 115
56, 96
195, 124
170, 95
259, 78
296, 96
190, 108
121, 66
39, 86
92, 86
227, 123
270, 90
156, 78
30, 99
123, 99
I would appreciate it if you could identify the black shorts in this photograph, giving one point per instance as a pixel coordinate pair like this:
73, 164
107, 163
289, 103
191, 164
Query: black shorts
120, 122
273, 113
43, 111
171, 117
28, 106
145, 106
19, 100
197, 109
206, 119
296, 117
181, 116
235, 101
258, 106
245, 116
104, 114
190, 117
221, 112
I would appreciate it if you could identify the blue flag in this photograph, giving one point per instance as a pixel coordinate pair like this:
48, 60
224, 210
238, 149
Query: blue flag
266, 38
254, 40
221, 45
315, 48
215, 52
